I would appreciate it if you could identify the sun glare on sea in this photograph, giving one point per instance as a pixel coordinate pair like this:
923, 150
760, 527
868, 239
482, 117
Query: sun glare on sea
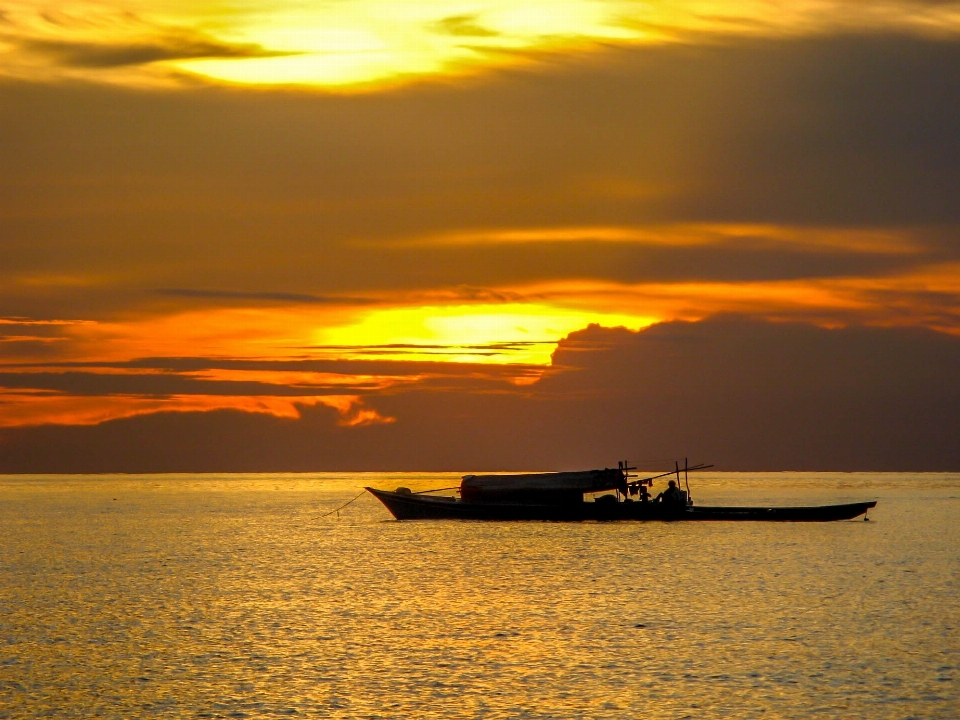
501, 333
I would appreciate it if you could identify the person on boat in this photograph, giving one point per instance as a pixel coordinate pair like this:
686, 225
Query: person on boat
670, 496
644, 494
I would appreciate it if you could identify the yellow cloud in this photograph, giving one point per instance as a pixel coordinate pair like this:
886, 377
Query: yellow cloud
342, 44
507, 332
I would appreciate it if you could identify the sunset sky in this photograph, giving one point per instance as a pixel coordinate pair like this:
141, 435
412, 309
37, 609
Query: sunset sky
361, 234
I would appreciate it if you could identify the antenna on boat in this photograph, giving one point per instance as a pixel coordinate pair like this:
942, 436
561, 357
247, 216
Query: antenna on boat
648, 481
624, 467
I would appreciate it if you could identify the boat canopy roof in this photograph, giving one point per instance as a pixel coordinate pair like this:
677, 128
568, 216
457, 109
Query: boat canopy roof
586, 481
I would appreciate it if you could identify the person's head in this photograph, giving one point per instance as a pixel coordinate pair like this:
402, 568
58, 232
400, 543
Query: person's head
671, 484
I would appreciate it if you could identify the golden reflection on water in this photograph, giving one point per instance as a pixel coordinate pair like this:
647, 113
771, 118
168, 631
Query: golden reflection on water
228, 596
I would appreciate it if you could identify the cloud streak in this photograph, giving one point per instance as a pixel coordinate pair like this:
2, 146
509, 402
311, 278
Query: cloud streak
265, 296
178, 46
31, 409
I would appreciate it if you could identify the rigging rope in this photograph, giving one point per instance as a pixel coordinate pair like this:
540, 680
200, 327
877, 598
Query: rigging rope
343, 506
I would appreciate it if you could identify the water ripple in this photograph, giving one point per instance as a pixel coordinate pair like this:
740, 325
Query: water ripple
229, 597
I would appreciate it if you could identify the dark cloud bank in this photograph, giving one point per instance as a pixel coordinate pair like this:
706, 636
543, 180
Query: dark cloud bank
747, 395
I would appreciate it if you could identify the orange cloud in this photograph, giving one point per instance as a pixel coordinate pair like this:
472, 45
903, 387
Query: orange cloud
301, 379
860, 240
443, 326
929, 297
28, 408
250, 332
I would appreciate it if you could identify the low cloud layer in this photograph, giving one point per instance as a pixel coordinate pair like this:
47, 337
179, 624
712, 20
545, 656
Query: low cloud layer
743, 394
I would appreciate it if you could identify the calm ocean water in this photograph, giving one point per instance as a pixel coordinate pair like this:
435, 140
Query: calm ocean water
230, 596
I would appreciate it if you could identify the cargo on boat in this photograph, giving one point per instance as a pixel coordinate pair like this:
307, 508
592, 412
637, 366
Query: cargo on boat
540, 488
560, 497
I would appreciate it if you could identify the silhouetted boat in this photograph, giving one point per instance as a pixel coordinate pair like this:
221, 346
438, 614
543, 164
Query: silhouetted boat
560, 497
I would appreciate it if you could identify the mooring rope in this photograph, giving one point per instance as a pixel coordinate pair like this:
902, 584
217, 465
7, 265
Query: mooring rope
343, 506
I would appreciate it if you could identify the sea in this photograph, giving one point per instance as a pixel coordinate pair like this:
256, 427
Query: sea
250, 595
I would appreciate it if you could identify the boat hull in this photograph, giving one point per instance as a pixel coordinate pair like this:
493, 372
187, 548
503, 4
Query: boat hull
407, 506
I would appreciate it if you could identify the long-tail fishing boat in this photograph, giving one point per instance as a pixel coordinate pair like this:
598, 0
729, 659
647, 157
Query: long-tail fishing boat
563, 496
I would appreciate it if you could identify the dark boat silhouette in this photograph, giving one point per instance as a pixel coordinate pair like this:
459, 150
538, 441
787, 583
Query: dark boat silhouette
560, 497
